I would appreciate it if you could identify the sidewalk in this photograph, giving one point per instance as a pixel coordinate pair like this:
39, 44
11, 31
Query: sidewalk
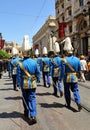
10, 105
86, 83
84, 88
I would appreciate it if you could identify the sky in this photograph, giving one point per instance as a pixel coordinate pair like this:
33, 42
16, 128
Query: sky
23, 17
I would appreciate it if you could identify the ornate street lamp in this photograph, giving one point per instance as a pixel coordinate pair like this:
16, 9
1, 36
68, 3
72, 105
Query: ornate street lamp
41, 47
52, 35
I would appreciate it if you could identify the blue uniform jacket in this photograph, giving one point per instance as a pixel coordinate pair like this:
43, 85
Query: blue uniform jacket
38, 60
31, 66
55, 63
66, 73
13, 63
9, 65
45, 61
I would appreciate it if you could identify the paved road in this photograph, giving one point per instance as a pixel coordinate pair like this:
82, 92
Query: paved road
84, 88
52, 114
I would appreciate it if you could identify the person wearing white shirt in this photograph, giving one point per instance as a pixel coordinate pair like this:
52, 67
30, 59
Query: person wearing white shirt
84, 67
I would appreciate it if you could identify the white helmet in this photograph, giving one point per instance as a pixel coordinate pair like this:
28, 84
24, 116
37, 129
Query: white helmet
56, 47
14, 51
44, 50
26, 43
67, 46
36, 52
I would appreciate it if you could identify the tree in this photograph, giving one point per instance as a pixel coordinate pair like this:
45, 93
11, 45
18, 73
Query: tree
31, 52
4, 54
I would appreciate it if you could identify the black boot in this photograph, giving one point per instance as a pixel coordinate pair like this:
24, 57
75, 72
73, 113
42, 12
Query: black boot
79, 107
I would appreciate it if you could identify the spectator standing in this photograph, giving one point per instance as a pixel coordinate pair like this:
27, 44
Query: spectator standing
84, 67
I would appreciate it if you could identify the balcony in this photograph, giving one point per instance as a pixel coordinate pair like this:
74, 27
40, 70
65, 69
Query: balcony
60, 13
78, 11
69, 18
57, 4
68, 4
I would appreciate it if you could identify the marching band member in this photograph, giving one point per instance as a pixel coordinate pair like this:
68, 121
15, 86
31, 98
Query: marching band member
28, 74
9, 67
69, 68
1, 68
37, 58
45, 66
56, 68
13, 67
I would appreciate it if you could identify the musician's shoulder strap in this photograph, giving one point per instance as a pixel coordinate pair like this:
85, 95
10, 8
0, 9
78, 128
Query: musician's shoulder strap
70, 67
23, 68
54, 62
13, 64
43, 60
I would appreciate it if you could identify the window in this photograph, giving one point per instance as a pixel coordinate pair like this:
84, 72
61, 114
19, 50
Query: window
83, 25
63, 18
70, 12
81, 2
58, 11
62, 6
70, 28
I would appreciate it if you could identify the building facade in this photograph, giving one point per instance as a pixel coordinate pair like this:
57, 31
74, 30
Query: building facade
73, 19
9, 45
45, 37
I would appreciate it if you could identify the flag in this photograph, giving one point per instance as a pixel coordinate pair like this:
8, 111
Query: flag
36, 46
2, 42
62, 27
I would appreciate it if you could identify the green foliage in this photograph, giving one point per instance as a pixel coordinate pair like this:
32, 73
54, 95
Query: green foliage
31, 52
4, 54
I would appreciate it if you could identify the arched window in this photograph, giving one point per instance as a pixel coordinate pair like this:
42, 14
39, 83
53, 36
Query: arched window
83, 25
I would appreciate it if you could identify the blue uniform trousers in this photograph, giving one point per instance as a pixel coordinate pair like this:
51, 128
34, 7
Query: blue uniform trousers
29, 102
14, 81
74, 89
55, 79
46, 78
57, 85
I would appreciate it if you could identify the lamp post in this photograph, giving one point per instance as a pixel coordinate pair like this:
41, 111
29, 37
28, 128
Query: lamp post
41, 47
52, 35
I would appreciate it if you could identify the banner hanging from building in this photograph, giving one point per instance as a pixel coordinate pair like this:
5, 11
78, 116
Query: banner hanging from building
36, 46
62, 27
2, 42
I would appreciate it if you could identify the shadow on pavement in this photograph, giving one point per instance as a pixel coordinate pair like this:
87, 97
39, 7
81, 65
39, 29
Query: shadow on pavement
56, 105
8, 83
43, 94
6, 89
5, 78
13, 98
8, 80
13, 114
72, 109
39, 85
